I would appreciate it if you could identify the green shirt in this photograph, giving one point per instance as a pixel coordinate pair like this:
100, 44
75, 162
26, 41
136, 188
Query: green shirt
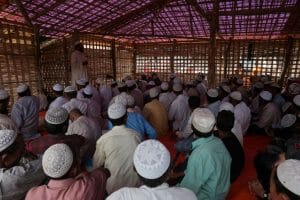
208, 169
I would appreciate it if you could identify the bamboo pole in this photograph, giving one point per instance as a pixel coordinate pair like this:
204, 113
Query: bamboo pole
288, 56
172, 56
134, 60
226, 54
36, 29
113, 57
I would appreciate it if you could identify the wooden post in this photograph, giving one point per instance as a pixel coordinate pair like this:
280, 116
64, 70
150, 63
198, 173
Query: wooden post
134, 60
212, 49
172, 56
226, 54
113, 57
287, 60
66, 63
36, 30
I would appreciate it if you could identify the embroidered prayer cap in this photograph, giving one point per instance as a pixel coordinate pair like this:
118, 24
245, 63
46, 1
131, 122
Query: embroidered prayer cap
154, 92
56, 115
164, 86
152, 83
151, 159
58, 87
226, 88
288, 173
203, 120
177, 87
81, 82
296, 100
266, 95
130, 100
177, 80
7, 138
236, 95
121, 99
213, 93
116, 111
288, 120
226, 106
70, 89
130, 83
22, 88
88, 90
3, 94
57, 160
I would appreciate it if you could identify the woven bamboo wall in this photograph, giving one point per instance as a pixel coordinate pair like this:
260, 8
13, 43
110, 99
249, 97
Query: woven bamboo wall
244, 57
124, 60
17, 58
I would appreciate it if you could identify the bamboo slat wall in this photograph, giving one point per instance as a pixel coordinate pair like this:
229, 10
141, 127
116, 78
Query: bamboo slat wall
17, 58
124, 60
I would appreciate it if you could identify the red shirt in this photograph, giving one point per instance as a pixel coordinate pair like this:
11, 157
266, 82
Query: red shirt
41, 144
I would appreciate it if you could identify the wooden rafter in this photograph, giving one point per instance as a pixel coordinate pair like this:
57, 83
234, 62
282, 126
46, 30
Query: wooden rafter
263, 11
24, 12
120, 21
196, 6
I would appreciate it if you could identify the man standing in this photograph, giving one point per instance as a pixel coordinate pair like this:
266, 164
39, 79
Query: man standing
25, 113
208, 168
78, 63
115, 151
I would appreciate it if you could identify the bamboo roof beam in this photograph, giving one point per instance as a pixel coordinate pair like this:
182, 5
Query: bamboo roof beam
52, 7
263, 11
24, 12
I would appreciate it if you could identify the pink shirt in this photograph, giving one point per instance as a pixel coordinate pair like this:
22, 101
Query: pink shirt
89, 186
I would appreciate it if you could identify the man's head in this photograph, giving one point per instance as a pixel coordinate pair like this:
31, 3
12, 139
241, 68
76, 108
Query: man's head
88, 92
11, 148
4, 100
81, 83
265, 97
117, 114
212, 95
177, 88
60, 161
285, 182
203, 122
225, 121
56, 121
70, 92
122, 87
58, 89
154, 93
75, 114
130, 101
194, 102
164, 87
152, 162
235, 98
224, 91
131, 84
23, 90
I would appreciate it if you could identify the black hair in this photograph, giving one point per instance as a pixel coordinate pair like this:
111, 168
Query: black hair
225, 120
178, 93
131, 88
281, 189
114, 85
4, 106
264, 162
155, 182
122, 89
199, 134
86, 96
56, 129
212, 99
120, 121
71, 95
194, 102
25, 93
58, 93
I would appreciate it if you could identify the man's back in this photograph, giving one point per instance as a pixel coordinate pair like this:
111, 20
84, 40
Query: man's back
162, 192
208, 169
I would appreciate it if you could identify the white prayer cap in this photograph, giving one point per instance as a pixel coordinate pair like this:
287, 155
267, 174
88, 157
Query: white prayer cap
151, 83
286, 106
172, 76
130, 83
88, 90
116, 111
98, 81
177, 87
296, 100
203, 120
3, 94
7, 138
288, 120
70, 89
121, 99
239, 81
151, 159
213, 93
56, 115
81, 82
226, 106
266, 95
22, 88
77, 43
164, 86
58, 87
226, 88
288, 173
130, 100
177, 80
153, 92
57, 160
236, 95
259, 85
294, 88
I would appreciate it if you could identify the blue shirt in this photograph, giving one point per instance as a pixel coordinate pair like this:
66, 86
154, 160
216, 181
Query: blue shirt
138, 123
208, 169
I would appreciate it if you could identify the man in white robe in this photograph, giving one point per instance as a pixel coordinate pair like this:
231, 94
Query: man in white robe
71, 93
166, 97
78, 63
60, 99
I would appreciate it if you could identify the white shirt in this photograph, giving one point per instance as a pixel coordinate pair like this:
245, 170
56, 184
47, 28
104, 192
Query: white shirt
214, 107
242, 114
238, 132
179, 112
25, 114
93, 109
58, 102
162, 192
269, 116
106, 93
78, 70
166, 99
76, 103
115, 151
